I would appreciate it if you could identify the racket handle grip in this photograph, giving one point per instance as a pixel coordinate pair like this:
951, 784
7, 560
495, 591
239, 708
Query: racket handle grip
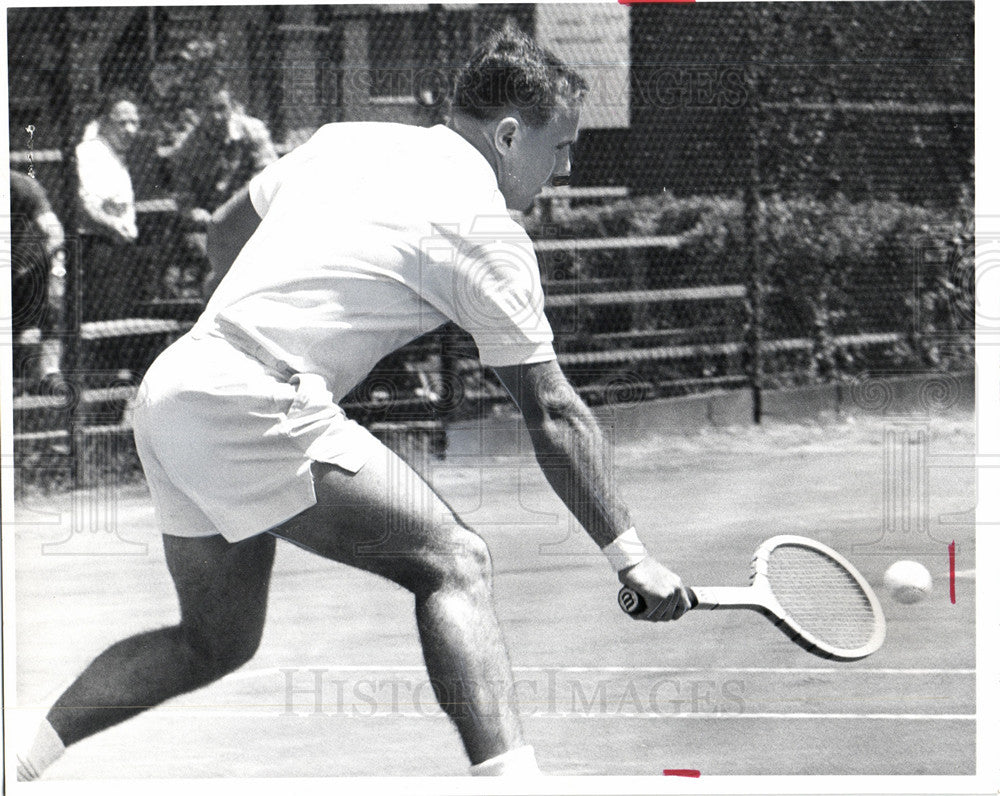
632, 603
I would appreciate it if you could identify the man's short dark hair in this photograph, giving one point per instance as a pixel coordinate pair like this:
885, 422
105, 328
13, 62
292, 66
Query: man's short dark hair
511, 72
110, 99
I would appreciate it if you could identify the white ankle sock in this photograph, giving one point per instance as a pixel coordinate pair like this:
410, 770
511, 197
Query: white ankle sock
45, 750
516, 762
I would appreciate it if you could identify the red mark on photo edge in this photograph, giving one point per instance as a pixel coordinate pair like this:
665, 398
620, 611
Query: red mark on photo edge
951, 570
637, 2
681, 772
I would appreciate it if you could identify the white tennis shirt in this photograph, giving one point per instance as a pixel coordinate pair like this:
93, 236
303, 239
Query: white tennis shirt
104, 184
372, 234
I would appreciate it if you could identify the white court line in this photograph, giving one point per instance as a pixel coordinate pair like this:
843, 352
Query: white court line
897, 716
306, 711
737, 669
252, 673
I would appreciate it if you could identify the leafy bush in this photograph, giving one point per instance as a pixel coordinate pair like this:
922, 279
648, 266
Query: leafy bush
829, 269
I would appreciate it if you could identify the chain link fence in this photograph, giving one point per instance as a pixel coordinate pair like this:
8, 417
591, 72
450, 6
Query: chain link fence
805, 171
785, 197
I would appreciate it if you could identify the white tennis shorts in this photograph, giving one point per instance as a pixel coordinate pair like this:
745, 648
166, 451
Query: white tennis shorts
227, 443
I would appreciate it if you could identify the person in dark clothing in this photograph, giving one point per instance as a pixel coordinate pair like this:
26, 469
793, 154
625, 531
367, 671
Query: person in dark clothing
38, 279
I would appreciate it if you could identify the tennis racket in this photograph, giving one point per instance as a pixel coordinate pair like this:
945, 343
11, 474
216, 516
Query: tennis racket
812, 593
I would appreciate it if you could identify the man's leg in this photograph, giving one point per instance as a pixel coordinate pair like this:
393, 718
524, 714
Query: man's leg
222, 590
387, 520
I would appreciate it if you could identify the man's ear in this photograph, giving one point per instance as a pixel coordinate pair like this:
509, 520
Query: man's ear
504, 134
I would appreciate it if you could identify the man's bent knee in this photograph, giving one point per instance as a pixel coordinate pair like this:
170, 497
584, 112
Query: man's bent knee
222, 589
473, 563
217, 654
464, 565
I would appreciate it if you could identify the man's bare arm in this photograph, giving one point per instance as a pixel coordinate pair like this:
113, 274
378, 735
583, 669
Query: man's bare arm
569, 446
231, 226
117, 227
52, 229
576, 459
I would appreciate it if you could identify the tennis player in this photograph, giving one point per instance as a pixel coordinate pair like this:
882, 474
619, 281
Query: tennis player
353, 244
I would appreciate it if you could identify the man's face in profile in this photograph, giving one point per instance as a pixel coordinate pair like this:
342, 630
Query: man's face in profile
121, 126
218, 112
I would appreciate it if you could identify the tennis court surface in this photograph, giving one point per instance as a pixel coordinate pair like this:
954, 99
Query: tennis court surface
338, 687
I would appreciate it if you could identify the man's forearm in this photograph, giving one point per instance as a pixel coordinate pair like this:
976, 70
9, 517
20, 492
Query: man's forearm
231, 226
106, 222
577, 459
223, 246
49, 224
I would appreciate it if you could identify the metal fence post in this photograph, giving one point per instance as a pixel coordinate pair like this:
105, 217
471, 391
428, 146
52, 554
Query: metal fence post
751, 218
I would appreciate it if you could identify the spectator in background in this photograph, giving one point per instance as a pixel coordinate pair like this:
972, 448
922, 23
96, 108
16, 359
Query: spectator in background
110, 276
218, 153
38, 277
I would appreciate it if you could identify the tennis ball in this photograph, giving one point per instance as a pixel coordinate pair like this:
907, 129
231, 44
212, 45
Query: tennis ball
907, 581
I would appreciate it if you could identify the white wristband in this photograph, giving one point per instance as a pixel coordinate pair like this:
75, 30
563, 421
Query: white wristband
625, 551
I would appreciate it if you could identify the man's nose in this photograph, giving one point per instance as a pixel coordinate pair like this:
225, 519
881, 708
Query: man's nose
560, 176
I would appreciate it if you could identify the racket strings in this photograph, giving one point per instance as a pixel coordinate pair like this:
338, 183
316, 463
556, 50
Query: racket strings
821, 597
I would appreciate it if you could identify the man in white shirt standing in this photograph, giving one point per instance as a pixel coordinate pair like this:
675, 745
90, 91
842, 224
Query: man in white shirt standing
348, 247
106, 218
